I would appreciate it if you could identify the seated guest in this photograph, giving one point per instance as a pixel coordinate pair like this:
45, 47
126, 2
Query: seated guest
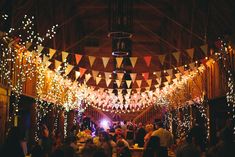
139, 138
130, 135
122, 149
153, 148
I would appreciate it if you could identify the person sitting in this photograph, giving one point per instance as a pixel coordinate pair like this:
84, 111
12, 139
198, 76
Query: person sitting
122, 149
139, 139
153, 148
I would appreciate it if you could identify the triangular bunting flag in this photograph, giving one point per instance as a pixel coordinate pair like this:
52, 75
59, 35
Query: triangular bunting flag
190, 52
170, 72
94, 74
168, 78
157, 86
161, 58
57, 64
77, 74
133, 61
204, 49
149, 82
177, 75
159, 80
91, 60
139, 83
40, 48
138, 90
118, 83
176, 55
166, 83
45, 59
51, 52
87, 77
68, 69
120, 76
147, 60
108, 82
119, 61
28, 44
105, 61
192, 65
107, 75
48, 63
145, 75
147, 88
82, 71
181, 69
97, 80
158, 73
110, 91
128, 83
133, 76
128, 91
78, 58
175, 80
64, 56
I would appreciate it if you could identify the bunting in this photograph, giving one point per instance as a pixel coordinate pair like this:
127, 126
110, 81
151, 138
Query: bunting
97, 80
108, 81
139, 82
192, 65
87, 77
168, 78
105, 61
204, 49
170, 72
120, 76
145, 75
138, 90
57, 64
133, 76
107, 75
133, 61
128, 91
118, 83
51, 52
147, 88
177, 56
40, 48
45, 59
181, 69
166, 83
161, 58
77, 74
149, 82
158, 73
27, 45
64, 56
68, 69
177, 75
128, 83
159, 80
82, 71
78, 58
190, 52
91, 60
94, 74
147, 60
119, 61
48, 63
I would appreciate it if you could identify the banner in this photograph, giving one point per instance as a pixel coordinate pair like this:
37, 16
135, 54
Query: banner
94, 74
133, 61
64, 56
177, 75
40, 48
192, 65
145, 75
107, 75
57, 64
77, 74
170, 72
87, 77
119, 61
78, 58
68, 69
27, 45
82, 71
128, 83
118, 83
158, 73
51, 52
204, 49
168, 78
45, 59
161, 58
147, 60
97, 80
108, 81
149, 82
190, 52
120, 76
181, 69
159, 80
133, 76
177, 56
91, 60
105, 61
139, 82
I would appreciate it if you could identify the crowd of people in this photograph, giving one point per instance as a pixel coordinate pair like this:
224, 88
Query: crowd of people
117, 141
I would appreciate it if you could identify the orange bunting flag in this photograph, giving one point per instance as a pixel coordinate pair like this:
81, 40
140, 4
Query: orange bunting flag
128, 83
204, 49
110, 91
51, 52
94, 73
105, 61
175, 80
107, 75
77, 74
128, 91
145, 75
108, 81
190, 52
48, 63
147, 60
166, 83
138, 90
133, 61
27, 45
68, 69
91, 60
97, 80
82, 71
149, 82
168, 78
170, 72
139, 82
118, 83
159, 80
119, 61
40, 48
161, 58
177, 75
147, 88
158, 73
87, 77
45, 59
133, 76
78, 58
57, 64
120, 76
176, 55
181, 69
64, 56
